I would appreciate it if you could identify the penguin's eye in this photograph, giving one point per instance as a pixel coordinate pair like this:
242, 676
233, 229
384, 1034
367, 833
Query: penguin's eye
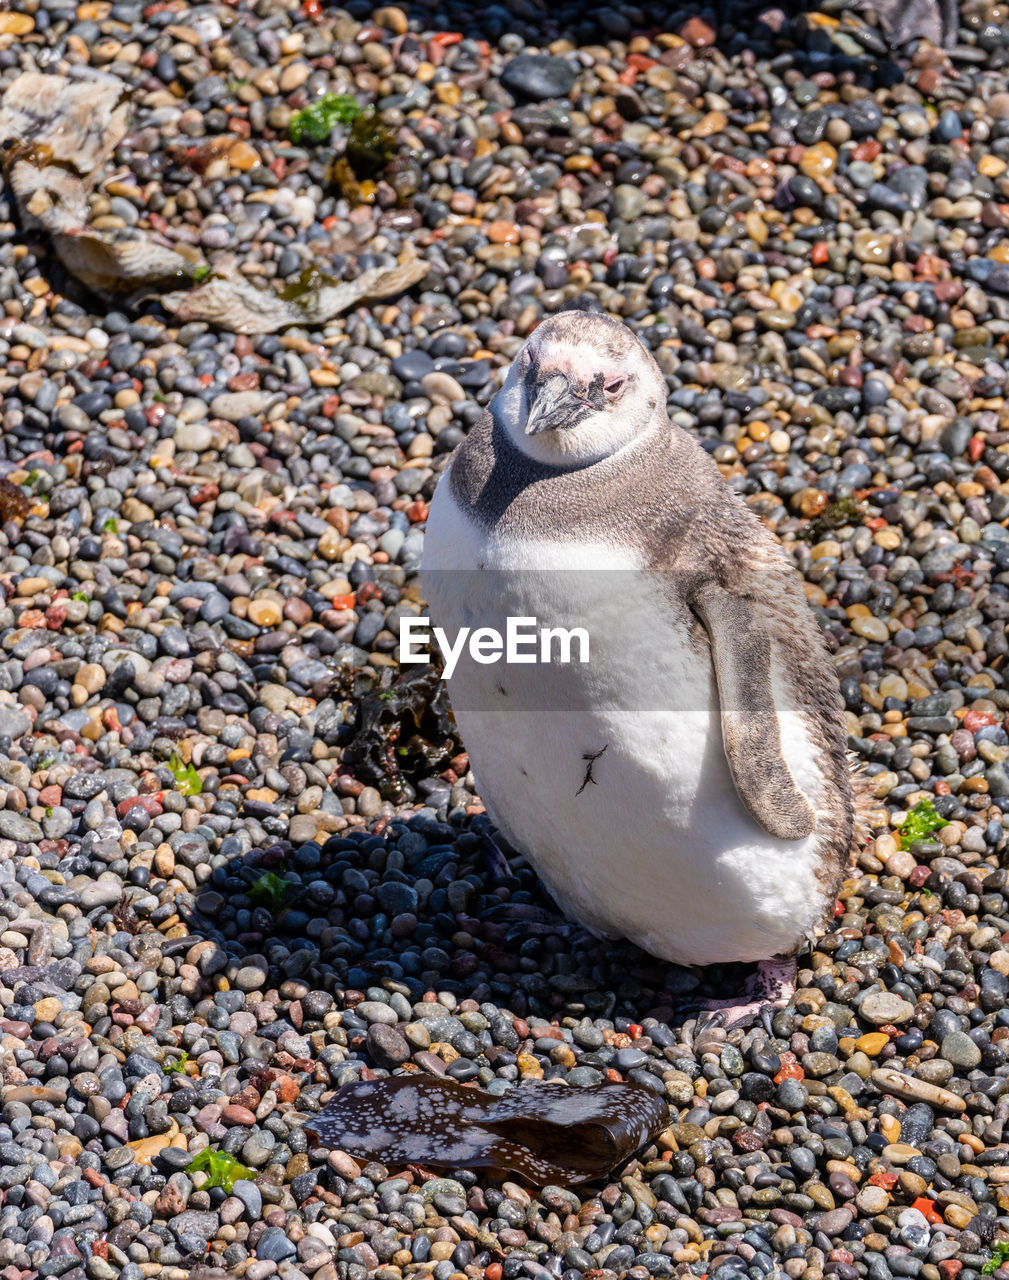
613, 386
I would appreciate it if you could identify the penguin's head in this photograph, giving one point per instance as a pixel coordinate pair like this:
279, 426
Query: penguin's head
582, 388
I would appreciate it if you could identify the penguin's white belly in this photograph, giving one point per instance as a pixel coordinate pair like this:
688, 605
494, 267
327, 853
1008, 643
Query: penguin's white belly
657, 846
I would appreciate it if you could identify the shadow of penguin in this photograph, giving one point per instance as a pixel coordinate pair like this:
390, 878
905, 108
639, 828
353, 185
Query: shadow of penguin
540, 22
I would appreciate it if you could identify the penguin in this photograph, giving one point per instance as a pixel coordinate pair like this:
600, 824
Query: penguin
685, 784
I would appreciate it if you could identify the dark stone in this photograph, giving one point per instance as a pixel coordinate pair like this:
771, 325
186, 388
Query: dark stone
536, 77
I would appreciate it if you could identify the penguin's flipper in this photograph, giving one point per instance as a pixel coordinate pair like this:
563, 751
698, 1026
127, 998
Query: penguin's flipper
741, 653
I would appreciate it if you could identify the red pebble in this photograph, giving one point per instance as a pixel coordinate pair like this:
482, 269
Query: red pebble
234, 1114
867, 150
287, 1089
927, 1209
948, 290
698, 32
150, 804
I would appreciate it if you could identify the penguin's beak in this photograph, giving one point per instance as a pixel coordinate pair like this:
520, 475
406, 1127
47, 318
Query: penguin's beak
556, 406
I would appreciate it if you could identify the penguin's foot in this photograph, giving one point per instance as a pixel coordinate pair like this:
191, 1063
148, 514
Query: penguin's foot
770, 987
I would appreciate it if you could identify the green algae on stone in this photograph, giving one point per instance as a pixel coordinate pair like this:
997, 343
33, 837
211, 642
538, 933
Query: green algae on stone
187, 781
224, 1170
317, 121
999, 1254
371, 146
305, 288
919, 824
835, 516
270, 889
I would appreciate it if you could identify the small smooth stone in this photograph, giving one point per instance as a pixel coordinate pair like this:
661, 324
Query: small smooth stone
872, 1200
961, 1050
887, 1080
882, 1007
874, 629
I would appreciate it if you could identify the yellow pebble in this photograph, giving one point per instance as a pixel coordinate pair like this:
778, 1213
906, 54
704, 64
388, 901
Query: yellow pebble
263, 795
264, 613
529, 1067
713, 122
900, 1153
818, 160
779, 441
892, 686
242, 156
873, 1043
991, 166
756, 227
874, 629
145, 1149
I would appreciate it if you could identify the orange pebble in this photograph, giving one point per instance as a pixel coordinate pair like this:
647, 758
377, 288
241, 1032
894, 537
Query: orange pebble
927, 1208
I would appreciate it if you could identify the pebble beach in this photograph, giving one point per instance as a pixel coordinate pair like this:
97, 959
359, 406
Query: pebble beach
241, 866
